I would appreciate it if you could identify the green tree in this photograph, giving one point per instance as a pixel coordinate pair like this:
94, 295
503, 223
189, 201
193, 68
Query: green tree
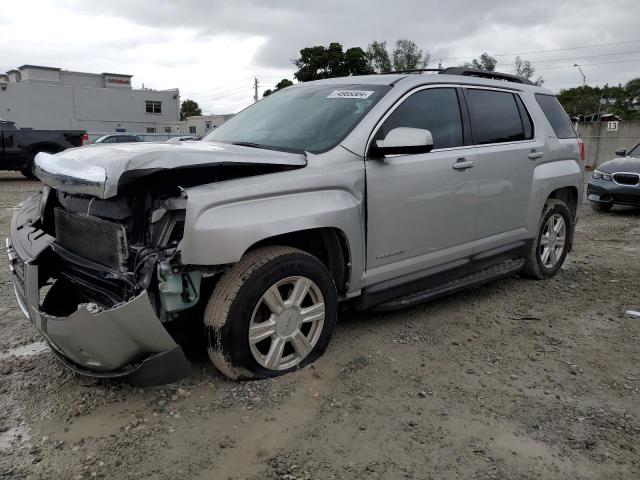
523, 68
284, 83
579, 101
407, 56
327, 62
189, 108
378, 57
483, 62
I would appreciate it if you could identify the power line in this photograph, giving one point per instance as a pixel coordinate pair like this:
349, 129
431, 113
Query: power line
219, 87
547, 51
226, 92
631, 60
580, 58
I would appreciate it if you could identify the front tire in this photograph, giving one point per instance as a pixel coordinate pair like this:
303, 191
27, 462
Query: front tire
551, 245
271, 313
602, 207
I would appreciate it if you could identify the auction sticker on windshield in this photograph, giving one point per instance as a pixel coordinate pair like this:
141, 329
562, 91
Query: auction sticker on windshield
350, 94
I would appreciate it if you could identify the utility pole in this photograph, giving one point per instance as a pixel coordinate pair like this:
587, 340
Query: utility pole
584, 79
255, 89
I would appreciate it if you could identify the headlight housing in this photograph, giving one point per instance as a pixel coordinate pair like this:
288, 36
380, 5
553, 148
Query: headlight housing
600, 175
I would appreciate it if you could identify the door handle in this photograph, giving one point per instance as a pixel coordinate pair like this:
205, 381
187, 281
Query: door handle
535, 155
462, 164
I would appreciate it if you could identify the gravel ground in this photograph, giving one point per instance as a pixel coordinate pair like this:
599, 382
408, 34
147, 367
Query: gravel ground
517, 379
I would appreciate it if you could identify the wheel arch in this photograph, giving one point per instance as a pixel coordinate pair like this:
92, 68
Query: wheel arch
47, 147
569, 195
328, 244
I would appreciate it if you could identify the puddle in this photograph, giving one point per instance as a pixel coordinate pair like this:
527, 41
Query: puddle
30, 350
12, 436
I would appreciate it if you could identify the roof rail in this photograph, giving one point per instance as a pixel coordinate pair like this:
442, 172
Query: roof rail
415, 70
472, 72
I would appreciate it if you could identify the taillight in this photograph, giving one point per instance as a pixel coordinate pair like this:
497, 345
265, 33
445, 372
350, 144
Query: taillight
581, 145
85, 139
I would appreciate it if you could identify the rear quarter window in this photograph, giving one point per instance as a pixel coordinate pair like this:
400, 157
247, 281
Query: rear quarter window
556, 115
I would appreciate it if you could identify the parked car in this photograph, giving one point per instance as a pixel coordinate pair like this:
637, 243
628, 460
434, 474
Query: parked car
184, 138
378, 191
18, 147
118, 138
616, 182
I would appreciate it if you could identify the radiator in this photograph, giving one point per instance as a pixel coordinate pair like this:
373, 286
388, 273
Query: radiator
92, 238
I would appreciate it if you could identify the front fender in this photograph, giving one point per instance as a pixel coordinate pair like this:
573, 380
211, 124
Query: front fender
221, 234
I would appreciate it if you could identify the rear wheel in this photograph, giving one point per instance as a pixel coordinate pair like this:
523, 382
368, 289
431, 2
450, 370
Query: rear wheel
551, 244
602, 206
271, 313
27, 170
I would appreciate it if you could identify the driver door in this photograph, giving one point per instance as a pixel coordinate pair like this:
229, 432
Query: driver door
422, 208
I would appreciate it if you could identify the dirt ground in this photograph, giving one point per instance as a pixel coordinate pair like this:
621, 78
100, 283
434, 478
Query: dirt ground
517, 379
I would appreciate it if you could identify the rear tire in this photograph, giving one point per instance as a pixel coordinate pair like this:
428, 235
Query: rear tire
273, 312
602, 207
552, 241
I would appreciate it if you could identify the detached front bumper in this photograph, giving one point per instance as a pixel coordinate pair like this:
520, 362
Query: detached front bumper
607, 191
126, 341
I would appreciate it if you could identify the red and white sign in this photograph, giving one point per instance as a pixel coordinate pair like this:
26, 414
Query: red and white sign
117, 82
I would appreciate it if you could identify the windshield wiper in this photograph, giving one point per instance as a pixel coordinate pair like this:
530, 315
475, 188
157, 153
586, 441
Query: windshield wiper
251, 144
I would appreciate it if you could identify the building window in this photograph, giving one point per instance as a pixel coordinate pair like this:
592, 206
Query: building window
207, 125
192, 129
151, 106
151, 130
167, 129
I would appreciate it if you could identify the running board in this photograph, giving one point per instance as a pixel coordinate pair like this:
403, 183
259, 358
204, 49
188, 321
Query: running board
505, 269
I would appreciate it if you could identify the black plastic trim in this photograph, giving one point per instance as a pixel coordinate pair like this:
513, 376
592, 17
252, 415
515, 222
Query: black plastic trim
156, 369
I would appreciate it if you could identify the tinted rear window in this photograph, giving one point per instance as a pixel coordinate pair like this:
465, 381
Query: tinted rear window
496, 117
556, 115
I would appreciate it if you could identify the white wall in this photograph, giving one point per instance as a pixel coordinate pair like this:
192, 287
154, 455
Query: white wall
46, 107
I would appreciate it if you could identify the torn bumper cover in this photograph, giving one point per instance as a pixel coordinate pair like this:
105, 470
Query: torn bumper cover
126, 341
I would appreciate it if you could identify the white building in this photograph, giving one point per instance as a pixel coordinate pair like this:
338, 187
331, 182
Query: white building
196, 125
52, 98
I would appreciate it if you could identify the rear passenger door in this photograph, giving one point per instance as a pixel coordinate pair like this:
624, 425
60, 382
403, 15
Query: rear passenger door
507, 154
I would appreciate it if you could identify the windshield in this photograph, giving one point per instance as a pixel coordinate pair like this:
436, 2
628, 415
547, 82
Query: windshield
635, 152
311, 118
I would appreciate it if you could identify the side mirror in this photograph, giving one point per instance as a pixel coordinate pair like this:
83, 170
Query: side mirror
621, 152
403, 141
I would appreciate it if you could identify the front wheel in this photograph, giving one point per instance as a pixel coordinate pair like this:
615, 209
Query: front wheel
551, 245
603, 207
271, 313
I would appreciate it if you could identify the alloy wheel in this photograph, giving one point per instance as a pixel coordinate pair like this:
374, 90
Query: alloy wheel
287, 322
553, 240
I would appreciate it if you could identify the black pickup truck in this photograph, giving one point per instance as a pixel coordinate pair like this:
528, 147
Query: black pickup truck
18, 147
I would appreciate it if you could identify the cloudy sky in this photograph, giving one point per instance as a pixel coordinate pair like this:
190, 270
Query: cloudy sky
211, 49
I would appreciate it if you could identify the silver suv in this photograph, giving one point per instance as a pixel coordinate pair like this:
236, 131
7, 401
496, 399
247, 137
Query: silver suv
377, 191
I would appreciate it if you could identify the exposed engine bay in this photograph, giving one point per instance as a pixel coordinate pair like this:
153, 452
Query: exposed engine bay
108, 250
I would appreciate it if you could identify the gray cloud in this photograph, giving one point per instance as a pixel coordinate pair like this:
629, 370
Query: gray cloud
141, 43
443, 28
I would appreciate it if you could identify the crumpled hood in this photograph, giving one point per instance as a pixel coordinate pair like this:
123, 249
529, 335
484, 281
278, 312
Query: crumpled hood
99, 169
621, 164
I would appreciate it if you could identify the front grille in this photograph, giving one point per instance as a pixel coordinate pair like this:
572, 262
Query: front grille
626, 178
92, 238
627, 199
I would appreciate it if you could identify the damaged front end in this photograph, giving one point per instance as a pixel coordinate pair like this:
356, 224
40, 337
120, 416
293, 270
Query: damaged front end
96, 256
101, 280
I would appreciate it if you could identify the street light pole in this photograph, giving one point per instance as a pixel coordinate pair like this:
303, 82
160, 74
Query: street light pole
584, 79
